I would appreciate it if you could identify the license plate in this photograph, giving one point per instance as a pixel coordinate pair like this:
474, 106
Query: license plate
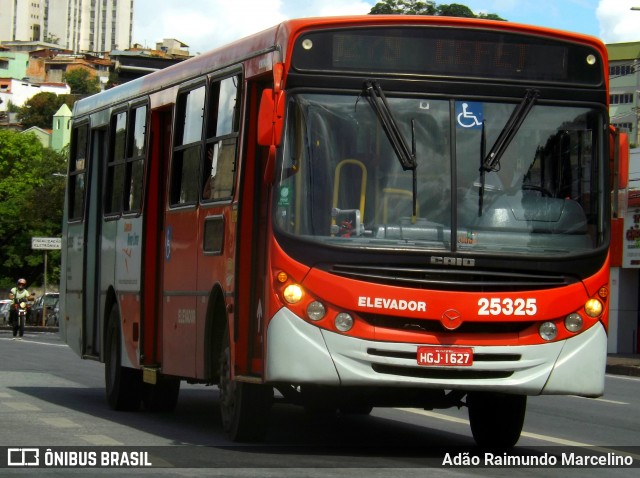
445, 356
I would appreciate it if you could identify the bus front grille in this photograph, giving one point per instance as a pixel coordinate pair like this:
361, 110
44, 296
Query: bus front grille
454, 279
435, 326
441, 373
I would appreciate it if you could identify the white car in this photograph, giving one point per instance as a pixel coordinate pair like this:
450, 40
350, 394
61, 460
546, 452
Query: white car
5, 305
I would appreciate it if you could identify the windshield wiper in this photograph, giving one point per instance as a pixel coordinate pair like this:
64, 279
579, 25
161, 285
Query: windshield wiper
378, 102
492, 161
406, 157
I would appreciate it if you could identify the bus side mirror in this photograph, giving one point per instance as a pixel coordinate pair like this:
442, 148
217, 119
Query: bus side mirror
619, 159
619, 167
270, 117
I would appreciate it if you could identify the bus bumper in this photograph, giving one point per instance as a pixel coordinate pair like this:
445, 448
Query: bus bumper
300, 353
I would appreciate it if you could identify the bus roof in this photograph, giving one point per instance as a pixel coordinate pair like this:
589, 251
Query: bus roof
278, 38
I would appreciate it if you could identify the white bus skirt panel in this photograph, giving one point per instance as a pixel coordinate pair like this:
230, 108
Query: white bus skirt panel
299, 353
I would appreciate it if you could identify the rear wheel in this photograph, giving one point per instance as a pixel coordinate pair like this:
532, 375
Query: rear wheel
123, 384
245, 407
496, 419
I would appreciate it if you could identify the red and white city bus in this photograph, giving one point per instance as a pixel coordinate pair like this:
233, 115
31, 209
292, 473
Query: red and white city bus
355, 212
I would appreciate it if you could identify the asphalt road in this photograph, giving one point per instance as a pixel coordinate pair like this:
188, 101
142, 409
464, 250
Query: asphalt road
50, 398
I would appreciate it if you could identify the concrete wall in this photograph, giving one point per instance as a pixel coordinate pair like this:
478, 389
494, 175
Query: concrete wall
16, 63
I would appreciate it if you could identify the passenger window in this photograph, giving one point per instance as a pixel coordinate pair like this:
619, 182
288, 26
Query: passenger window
223, 125
114, 190
77, 173
135, 159
187, 149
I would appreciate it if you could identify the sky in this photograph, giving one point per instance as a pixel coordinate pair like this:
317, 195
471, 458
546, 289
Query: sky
207, 24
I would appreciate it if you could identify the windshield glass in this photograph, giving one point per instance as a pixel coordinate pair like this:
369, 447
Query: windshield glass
341, 181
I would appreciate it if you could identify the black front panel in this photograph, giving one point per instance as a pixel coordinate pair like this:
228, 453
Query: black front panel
448, 52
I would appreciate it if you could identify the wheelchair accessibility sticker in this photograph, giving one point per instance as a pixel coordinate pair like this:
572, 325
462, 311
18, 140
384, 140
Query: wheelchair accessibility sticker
469, 114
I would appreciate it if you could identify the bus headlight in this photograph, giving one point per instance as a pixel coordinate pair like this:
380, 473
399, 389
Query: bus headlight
573, 322
316, 311
292, 293
343, 322
593, 307
548, 330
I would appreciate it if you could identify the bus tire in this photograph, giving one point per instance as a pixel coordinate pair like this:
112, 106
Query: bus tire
244, 407
123, 385
496, 419
161, 397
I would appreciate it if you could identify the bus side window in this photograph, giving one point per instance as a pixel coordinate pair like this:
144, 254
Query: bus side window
114, 191
223, 125
187, 148
135, 158
77, 171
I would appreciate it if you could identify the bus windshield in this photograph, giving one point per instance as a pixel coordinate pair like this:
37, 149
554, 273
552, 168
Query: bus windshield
341, 181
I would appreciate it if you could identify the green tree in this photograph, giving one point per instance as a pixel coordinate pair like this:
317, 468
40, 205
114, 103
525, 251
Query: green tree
82, 82
31, 201
455, 10
39, 110
416, 7
52, 39
491, 16
404, 7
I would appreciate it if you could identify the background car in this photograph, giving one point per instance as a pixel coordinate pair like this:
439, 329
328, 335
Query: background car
43, 306
52, 316
5, 306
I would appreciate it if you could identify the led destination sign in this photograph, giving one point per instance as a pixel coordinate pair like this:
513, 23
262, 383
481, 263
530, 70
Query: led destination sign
448, 52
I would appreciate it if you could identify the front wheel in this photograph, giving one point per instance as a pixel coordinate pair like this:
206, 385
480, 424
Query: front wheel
244, 407
496, 419
123, 384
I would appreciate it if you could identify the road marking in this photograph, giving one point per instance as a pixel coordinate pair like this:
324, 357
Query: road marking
100, 440
624, 377
22, 406
615, 402
15, 379
59, 422
439, 416
29, 341
535, 436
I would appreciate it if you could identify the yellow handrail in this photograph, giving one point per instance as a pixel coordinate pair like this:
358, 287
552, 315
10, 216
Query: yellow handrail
363, 183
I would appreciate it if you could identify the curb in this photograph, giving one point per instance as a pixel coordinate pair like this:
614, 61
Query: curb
620, 369
33, 328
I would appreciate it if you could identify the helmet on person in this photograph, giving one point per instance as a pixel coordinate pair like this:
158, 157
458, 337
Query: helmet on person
22, 282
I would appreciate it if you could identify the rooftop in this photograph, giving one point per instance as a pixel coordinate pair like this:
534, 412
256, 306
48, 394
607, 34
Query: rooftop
624, 51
